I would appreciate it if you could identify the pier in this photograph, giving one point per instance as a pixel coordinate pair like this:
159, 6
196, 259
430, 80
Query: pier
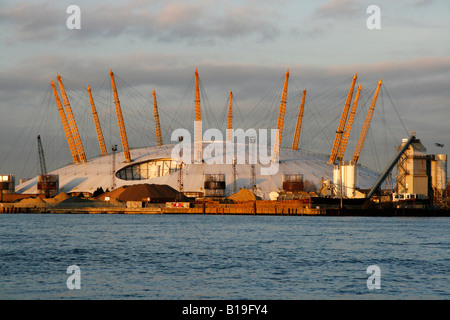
261, 207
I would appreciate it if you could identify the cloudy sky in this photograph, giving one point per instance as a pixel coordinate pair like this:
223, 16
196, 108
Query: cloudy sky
244, 46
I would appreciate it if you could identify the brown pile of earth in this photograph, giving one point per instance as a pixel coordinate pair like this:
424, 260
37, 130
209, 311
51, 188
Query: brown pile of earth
61, 197
140, 192
37, 200
244, 195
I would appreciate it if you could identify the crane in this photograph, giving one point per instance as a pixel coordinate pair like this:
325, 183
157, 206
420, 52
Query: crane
41, 156
348, 126
101, 140
45, 182
72, 123
280, 122
65, 123
230, 117
340, 130
366, 125
298, 127
159, 141
122, 130
198, 122
389, 167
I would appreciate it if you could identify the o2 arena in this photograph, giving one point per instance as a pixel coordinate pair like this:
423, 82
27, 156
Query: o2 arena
210, 163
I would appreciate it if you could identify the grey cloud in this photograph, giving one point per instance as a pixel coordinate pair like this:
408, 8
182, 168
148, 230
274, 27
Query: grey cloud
323, 19
169, 71
423, 3
31, 21
245, 20
339, 8
170, 21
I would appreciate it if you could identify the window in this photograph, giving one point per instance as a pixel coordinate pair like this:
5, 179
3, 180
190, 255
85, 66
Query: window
148, 169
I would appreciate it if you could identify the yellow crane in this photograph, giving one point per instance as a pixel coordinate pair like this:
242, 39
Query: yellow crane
298, 127
159, 141
67, 131
280, 122
198, 122
340, 130
123, 132
72, 123
348, 126
98, 128
366, 125
230, 117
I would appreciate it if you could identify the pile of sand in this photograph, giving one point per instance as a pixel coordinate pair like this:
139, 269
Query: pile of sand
37, 200
139, 192
243, 195
61, 197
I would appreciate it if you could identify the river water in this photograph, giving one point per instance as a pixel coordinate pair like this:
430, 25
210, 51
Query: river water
197, 257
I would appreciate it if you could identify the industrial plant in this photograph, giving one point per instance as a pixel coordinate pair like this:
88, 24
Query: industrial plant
291, 181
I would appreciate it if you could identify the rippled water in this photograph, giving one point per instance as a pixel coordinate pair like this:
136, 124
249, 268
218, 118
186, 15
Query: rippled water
222, 257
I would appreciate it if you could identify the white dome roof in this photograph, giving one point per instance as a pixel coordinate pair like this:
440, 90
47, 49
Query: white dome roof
87, 177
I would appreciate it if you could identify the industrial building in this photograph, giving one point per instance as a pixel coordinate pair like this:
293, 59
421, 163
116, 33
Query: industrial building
421, 175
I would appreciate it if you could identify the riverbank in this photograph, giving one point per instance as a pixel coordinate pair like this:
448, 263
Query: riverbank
230, 209
237, 209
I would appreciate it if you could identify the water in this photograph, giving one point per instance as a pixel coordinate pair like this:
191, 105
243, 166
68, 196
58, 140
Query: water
222, 257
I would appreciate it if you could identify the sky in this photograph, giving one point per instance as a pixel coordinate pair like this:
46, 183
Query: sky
245, 46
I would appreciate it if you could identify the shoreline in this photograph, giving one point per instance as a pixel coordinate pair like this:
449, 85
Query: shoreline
284, 211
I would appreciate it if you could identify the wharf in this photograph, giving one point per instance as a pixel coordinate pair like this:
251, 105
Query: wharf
244, 208
258, 207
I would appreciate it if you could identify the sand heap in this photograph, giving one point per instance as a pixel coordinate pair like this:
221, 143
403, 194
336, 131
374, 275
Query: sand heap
63, 200
57, 199
36, 201
243, 195
142, 192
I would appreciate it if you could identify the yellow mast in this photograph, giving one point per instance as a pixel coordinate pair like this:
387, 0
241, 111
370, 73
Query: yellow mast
98, 128
123, 132
348, 126
198, 122
366, 125
340, 130
280, 123
230, 117
65, 124
72, 123
159, 141
298, 128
